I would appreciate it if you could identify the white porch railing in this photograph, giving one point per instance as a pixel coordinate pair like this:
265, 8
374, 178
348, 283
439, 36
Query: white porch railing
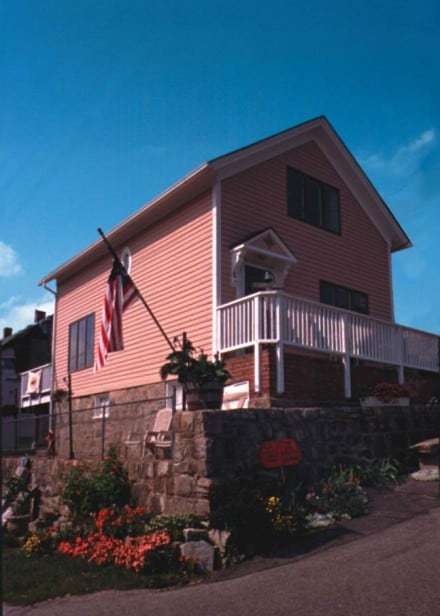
39, 394
275, 317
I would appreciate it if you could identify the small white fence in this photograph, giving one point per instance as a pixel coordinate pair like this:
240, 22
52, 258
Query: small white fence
274, 317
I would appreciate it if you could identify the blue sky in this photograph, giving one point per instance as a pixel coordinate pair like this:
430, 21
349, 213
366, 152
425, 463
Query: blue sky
106, 103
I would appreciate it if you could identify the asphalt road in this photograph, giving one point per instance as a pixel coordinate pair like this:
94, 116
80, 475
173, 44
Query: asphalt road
395, 572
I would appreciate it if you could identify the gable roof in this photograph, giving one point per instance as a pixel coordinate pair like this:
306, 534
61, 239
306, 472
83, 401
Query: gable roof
268, 242
201, 179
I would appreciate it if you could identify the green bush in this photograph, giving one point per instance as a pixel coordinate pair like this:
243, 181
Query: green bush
340, 494
378, 473
173, 524
86, 492
240, 507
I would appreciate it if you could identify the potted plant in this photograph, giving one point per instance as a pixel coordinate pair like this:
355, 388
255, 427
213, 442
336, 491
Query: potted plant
388, 394
202, 379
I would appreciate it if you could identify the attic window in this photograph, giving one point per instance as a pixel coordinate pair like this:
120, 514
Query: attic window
313, 201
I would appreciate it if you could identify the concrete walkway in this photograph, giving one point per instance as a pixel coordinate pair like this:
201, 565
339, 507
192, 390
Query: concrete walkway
392, 572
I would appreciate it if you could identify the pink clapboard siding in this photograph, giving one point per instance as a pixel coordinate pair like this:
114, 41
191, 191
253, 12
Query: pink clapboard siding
171, 264
359, 258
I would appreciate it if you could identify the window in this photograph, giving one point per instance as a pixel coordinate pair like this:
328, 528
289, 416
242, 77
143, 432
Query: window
173, 388
342, 297
101, 407
313, 201
81, 343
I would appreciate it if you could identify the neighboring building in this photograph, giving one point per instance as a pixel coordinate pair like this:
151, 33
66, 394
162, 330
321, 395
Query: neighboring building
25, 382
278, 255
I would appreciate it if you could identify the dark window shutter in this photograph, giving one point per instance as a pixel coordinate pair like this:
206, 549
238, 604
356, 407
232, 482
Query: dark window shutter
81, 344
73, 346
330, 207
327, 295
312, 202
90, 339
359, 302
342, 297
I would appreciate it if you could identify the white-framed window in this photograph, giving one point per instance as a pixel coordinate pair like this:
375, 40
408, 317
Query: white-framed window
126, 259
101, 406
170, 388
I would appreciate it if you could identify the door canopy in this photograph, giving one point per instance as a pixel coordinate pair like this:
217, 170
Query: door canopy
266, 250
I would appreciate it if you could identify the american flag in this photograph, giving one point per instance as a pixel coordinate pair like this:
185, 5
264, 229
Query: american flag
119, 294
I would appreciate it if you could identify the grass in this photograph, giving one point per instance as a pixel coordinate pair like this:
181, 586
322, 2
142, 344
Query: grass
29, 580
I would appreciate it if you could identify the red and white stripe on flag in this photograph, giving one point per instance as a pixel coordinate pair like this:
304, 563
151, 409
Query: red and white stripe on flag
120, 292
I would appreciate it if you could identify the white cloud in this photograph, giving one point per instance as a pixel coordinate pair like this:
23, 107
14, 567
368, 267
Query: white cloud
427, 137
405, 160
18, 315
9, 261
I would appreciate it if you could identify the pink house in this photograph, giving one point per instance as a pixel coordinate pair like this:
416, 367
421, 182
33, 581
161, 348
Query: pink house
277, 255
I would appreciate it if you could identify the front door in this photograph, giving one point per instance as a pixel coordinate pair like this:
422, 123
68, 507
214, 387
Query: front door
255, 278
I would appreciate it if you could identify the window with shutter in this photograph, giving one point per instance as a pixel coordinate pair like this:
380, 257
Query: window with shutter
313, 201
343, 297
81, 343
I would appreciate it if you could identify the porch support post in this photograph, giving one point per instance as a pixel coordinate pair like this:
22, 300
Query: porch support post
280, 345
346, 357
257, 347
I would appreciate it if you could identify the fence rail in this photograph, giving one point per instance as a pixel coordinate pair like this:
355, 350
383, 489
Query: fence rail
24, 432
275, 317
87, 430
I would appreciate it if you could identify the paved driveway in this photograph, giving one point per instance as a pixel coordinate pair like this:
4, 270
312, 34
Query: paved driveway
394, 572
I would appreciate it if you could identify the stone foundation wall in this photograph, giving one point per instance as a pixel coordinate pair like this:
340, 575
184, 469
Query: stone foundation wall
130, 416
327, 436
215, 445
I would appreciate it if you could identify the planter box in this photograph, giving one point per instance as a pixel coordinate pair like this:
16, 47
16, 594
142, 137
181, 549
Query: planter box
372, 401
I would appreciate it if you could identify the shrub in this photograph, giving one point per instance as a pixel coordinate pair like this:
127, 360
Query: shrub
38, 543
173, 524
240, 507
86, 492
128, 521
340, 494
387, 392
379, 473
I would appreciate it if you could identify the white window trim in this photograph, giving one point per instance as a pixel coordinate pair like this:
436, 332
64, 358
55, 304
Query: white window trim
126, 259
170, 388
101, 405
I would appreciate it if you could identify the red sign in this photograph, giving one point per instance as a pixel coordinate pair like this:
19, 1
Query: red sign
284, 452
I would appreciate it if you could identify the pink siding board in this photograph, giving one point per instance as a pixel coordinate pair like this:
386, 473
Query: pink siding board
256, 199
171, 264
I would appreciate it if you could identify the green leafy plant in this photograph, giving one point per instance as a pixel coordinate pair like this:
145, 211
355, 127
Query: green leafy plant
378, 473
13, 487
191, 370
86, 492
173, 524
340, 494
240, 507
38, 543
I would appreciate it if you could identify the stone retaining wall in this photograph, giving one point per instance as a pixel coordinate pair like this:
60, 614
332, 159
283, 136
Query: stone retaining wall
215, 445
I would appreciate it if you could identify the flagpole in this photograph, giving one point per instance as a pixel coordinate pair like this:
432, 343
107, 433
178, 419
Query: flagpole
139, 294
